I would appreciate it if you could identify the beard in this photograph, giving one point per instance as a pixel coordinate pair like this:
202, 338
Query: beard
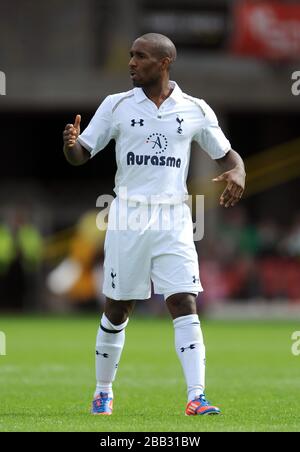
137, 84
140, 83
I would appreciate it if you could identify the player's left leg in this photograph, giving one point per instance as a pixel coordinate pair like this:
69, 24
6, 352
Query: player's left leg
190, 349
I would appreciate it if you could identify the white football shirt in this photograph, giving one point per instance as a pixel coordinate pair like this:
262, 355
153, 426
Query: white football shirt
153, 144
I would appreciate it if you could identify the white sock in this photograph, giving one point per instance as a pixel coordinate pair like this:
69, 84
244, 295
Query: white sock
109, 346
191, 352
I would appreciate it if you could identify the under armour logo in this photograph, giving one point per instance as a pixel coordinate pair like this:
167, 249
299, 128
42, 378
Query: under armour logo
134, 122
105, 355
113, 276
179, 129
195, 279
192, 346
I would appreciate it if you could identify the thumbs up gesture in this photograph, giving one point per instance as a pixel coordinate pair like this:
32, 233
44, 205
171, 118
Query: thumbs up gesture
71, 133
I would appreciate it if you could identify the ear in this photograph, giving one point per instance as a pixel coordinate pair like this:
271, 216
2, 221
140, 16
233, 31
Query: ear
165, 63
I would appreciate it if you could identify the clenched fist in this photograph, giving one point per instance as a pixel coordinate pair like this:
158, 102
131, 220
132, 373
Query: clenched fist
71, 133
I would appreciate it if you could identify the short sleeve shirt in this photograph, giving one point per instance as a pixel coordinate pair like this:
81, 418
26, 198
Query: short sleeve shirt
153, 144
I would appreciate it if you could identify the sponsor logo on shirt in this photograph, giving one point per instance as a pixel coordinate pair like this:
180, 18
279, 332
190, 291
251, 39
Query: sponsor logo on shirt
159, 143
133, 159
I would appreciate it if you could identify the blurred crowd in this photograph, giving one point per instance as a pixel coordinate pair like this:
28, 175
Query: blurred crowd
240, 260
246, 260
21, 259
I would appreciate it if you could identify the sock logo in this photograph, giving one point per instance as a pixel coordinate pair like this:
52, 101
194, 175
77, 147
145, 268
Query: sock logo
105, 355
192, 346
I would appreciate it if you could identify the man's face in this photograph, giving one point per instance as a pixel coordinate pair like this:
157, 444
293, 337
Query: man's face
145, 66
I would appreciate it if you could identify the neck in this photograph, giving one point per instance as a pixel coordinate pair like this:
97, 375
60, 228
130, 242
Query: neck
158, 92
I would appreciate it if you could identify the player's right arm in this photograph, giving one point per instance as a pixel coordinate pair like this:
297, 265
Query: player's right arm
74, 152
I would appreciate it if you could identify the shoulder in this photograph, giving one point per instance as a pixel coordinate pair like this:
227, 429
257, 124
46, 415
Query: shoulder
207, 112
198, 103
111, 102
118, 98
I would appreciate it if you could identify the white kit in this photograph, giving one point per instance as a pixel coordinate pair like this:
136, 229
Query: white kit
152, 154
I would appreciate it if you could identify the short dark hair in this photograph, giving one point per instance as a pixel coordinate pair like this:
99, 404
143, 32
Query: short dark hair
163, 45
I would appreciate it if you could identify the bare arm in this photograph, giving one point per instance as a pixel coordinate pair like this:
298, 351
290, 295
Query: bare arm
234, 175
74, 152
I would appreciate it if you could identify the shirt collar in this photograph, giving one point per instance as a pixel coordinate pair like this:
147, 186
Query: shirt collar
176, 94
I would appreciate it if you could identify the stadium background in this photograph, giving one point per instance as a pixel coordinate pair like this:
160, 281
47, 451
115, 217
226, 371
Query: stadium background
60, 60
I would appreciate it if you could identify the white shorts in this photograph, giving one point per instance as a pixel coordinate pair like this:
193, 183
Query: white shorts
159, 249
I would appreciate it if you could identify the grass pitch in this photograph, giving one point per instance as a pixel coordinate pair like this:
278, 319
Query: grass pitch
47, 377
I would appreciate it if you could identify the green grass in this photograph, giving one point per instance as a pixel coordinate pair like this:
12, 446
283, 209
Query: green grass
47, 377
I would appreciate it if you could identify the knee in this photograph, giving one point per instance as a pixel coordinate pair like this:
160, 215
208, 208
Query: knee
117, 314
181, 304
118, 311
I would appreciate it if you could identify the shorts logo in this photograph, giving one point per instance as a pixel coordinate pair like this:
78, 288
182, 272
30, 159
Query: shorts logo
179, 129
195, 279
113, 275
134, 122
160, 142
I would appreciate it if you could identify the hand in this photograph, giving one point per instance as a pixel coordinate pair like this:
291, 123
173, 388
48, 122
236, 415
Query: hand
233, 192
71, 133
